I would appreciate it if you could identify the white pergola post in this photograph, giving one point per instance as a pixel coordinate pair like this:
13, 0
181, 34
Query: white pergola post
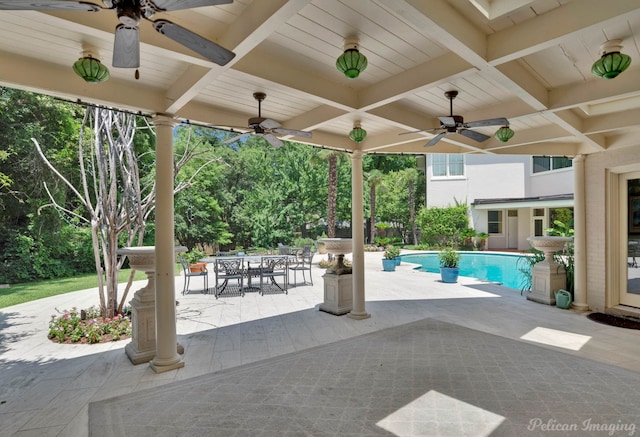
579, 236
166, 357
358, 311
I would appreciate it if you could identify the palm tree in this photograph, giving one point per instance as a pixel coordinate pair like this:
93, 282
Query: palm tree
332, 157
410, 175
374, 178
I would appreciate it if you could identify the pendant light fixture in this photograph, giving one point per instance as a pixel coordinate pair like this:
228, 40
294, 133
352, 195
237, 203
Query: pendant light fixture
505, 133
357, 134
90, 68
612, 62
351, 63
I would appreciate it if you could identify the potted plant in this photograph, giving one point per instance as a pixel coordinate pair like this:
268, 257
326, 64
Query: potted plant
193, 257
389, 261
480, 241
449, 265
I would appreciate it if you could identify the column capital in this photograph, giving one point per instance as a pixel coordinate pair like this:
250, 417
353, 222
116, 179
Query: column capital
579, 158
357, 154
162, 119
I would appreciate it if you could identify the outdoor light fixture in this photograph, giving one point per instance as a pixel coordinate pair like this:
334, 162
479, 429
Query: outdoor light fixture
505, 133
351, 63
357, 134
90, 68
612, 62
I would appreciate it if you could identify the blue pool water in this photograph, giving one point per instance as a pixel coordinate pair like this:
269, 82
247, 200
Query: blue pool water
494, 267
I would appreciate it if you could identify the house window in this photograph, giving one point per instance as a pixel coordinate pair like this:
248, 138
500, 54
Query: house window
494, 222
549, 163
447, 165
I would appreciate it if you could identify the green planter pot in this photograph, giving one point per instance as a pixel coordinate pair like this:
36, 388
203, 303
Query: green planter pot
389, 265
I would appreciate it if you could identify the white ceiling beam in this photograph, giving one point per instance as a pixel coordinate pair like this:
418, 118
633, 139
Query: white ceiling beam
257, 22
612, 122
595, 91
432, 73
550, 28
59, 81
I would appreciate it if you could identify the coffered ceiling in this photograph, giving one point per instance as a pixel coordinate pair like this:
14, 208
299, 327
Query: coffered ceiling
529, 61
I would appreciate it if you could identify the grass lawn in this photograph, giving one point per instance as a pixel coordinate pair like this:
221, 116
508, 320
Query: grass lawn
20, 293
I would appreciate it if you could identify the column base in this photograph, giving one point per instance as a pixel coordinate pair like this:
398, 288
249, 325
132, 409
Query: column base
138, 357
358, 316
580, 306
165, 367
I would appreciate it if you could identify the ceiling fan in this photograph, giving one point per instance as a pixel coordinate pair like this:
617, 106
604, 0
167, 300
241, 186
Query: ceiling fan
452, 124
267, 127
126, 45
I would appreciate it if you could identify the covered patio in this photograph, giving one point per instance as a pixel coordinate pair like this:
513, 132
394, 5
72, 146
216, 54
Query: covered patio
63, 390
527, 61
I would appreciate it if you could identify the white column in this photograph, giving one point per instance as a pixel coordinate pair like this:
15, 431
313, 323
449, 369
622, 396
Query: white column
166, 357
579, 236
357, 235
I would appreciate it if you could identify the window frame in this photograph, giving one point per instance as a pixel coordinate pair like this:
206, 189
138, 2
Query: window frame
448, 165
552, 162
500, 221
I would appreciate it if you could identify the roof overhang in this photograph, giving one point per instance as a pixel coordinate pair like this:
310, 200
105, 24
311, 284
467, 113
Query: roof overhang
559, 201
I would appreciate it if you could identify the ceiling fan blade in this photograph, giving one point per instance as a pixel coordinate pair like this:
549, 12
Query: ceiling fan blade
51, 5
447, 121
268, 123
195, 42
477, 136
174, 5
126, 47
488, 122
236, 138
418, 131
297, 133
435, 139
273, 140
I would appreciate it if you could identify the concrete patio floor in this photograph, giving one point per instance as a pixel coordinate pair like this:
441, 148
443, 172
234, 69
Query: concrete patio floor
45, 388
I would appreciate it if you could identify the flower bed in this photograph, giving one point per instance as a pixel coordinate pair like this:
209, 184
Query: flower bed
86, 326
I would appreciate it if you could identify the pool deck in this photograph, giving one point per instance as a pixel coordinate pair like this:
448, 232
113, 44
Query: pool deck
46, 388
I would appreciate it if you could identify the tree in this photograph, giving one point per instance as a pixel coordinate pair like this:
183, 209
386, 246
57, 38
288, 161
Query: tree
116, 201
374, 178
332, 157
410, 175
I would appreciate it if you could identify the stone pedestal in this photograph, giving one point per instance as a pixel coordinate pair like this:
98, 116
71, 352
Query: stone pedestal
338, 294
142, 347
547, 276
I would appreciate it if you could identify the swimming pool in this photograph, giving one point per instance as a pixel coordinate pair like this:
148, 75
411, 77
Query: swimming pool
494, 267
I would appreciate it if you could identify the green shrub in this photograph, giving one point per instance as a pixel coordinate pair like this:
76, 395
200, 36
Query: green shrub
449, 258
441, 227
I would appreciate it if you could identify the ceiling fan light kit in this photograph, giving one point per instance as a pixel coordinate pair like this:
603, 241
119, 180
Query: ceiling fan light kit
455, 124
357, 134
266, 127
126, 44
505, 133
612, 62
91, 69
351, 63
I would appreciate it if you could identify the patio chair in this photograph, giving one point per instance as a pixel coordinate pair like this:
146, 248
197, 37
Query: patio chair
226, 270
188, 274
302, 264
271, 268
283, 250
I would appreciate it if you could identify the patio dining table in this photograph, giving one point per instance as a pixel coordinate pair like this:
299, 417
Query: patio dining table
250, 272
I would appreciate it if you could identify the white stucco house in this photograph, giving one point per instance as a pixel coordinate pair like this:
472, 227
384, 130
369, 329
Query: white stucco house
510, 197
